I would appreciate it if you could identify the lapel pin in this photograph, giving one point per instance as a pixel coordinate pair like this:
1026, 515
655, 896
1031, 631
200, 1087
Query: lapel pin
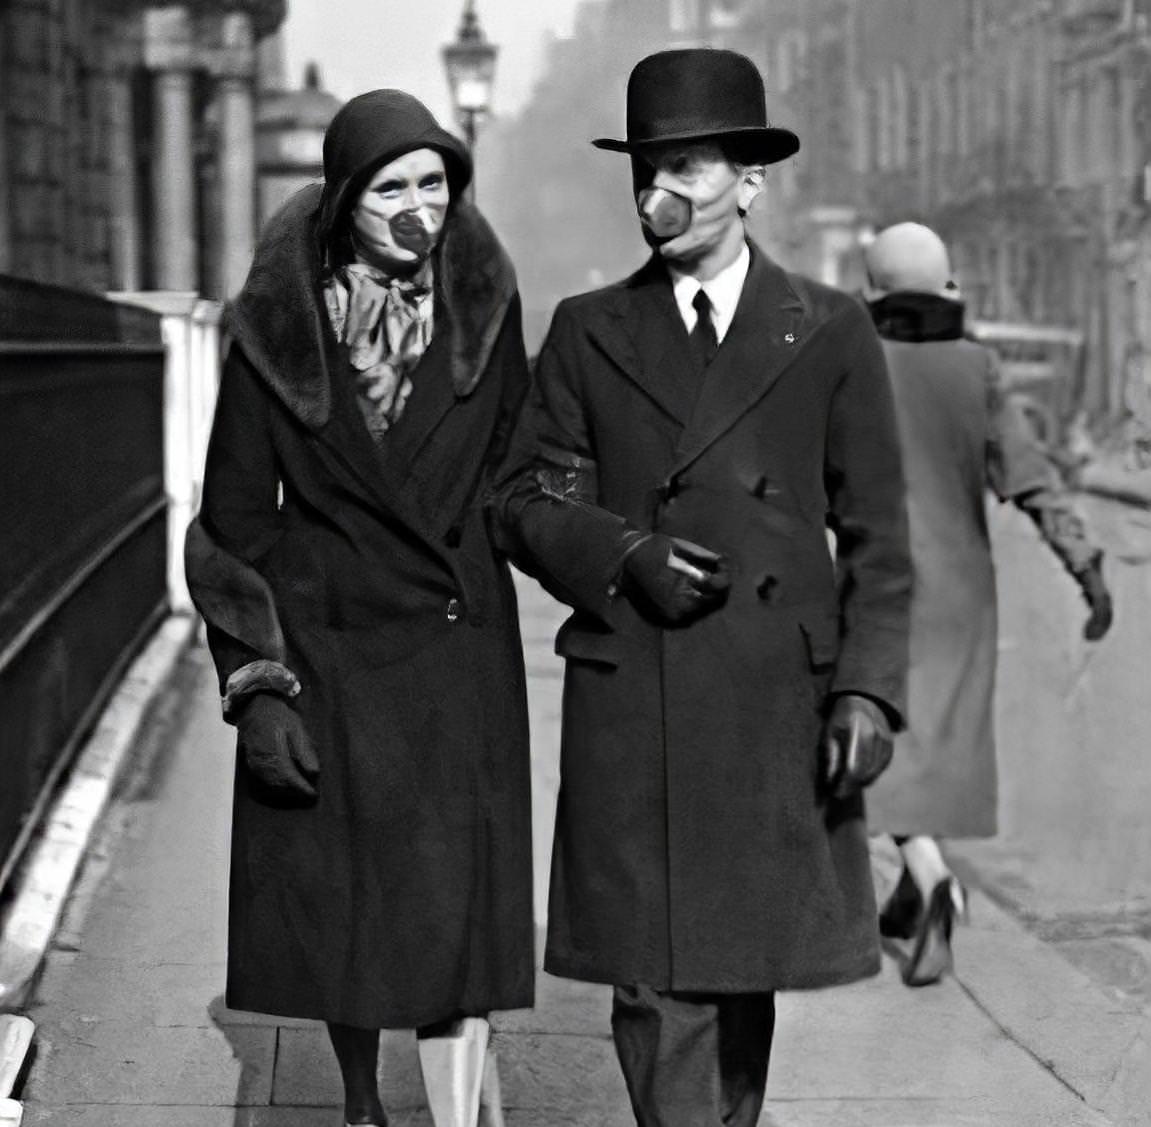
790, 338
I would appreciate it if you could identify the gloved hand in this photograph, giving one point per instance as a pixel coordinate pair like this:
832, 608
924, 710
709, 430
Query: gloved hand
857, 745
277, 750
675, 580
1098, 599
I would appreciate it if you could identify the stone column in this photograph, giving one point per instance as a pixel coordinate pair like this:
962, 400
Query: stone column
237, 163
124, 218
177, 266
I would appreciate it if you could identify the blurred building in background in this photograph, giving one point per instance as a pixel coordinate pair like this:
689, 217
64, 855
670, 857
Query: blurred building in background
1020, 129
128, 140
1017, 130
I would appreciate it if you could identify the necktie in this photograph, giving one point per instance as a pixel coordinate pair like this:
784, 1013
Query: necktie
704, 342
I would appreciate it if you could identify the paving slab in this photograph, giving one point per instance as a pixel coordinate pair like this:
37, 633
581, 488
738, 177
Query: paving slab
561, 1006
108, 1062
156, 995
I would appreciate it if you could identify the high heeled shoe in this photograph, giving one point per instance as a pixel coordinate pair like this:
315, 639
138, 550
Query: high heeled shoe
900, 916
931, 957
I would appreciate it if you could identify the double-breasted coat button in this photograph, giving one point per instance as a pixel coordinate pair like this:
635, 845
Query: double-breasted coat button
453, 610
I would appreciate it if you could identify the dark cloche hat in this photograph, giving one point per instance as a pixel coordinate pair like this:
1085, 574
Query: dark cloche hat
374, 128
701, 93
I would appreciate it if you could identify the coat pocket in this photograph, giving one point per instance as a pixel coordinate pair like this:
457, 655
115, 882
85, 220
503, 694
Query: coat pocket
576, 643
821, 632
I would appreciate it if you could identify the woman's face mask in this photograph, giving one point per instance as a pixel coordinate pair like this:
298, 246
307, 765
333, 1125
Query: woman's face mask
693, 199
400, 214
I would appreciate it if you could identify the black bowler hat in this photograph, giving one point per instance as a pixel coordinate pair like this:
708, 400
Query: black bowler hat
697, 94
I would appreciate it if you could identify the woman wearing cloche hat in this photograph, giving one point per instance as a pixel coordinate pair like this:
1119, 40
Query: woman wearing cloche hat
363, 626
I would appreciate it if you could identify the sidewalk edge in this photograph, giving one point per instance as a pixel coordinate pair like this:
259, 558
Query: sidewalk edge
41, 889
1044, 1003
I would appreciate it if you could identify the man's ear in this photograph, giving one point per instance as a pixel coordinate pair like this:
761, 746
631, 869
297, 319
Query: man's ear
751, 180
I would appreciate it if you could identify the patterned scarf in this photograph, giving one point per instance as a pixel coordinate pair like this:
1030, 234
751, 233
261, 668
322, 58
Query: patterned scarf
387, 325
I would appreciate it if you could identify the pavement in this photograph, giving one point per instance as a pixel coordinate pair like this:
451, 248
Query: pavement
132, 1030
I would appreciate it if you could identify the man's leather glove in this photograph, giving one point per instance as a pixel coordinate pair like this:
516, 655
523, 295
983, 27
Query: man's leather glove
277, 750
1098, 599
675, 580
857, 745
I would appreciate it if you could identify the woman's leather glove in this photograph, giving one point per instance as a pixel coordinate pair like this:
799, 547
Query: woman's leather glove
675, 580
277, 751
1098, 598
857, 745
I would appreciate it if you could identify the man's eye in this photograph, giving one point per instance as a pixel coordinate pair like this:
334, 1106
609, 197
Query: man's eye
430, 183
389, 188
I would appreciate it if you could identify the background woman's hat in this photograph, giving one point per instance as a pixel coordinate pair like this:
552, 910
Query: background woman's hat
698, 93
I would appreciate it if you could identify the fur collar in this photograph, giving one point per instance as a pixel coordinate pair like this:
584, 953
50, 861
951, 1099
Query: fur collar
278, 318
917, 317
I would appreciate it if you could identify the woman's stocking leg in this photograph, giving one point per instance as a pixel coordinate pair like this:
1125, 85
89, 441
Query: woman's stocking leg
357, 1051
925, 862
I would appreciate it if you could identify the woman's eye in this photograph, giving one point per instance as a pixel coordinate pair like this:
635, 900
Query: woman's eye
431, 183
389, 188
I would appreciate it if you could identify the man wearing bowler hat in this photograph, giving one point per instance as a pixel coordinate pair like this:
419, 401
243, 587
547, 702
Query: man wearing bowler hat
730, 689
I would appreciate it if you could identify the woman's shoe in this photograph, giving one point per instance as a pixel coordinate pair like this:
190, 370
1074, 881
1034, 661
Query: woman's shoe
931, 956
901, 914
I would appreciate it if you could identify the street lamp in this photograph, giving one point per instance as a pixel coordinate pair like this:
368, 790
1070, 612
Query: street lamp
470, 62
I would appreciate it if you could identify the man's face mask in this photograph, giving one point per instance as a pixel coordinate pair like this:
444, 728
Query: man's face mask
692, 196
400, 214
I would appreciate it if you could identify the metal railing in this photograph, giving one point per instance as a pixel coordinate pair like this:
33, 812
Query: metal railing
83, 526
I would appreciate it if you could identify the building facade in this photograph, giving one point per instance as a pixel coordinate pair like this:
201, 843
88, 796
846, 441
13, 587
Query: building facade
1017, 130
128, 141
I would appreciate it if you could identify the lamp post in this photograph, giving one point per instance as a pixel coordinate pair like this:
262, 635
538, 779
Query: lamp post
470, 63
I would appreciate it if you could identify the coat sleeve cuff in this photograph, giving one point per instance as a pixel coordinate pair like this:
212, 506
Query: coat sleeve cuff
262, 676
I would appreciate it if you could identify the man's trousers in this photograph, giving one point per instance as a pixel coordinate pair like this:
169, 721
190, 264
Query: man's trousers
693, 1060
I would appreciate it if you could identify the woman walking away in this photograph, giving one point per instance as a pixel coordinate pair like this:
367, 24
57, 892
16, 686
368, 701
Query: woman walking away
363, 626
960, 436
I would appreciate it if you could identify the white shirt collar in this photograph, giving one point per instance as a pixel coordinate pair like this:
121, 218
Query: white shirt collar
722, 291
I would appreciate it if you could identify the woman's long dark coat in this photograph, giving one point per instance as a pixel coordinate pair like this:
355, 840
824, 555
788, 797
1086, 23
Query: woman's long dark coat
404, 895
693, 851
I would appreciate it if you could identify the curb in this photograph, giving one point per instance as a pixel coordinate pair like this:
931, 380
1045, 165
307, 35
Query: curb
1044, 1003
15, 1041
45, 880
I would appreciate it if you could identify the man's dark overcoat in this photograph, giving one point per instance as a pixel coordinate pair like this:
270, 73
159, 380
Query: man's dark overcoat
404, 895
693, 851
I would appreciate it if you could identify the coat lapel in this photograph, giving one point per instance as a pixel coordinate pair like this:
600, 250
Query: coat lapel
642, 334
766, 335
347, 440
